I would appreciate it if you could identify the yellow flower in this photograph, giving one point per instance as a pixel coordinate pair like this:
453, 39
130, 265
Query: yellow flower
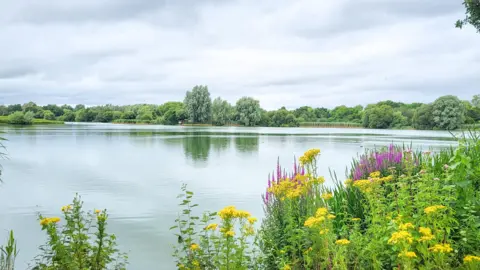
327, 196
66, 208
331, 216
407, 254
441, 248
355, 219
433, 209
321, 212
471, 258
194, 246
324, 231
252, 220
312, 221
426, 234
309, 156
46, 221
400, 236
287, 267
230, 233
406, 226
242, 214
342, 242
375, 174
363, 185
227, 212
97, 211
211, 227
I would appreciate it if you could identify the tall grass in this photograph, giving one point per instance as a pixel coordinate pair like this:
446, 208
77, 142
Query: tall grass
9, 253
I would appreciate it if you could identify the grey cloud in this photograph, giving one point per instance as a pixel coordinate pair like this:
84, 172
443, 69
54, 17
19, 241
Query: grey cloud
283, 52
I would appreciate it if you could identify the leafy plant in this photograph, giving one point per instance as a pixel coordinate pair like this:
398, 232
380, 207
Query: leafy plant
8, 254
81, 243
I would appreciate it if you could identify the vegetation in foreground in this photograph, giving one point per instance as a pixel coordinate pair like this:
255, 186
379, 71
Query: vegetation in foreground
445, 113
400, 209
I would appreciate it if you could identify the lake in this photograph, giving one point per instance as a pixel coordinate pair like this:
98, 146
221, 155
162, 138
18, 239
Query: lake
136, 173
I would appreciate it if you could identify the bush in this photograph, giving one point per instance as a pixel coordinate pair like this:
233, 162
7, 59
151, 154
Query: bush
81, 243
18, 118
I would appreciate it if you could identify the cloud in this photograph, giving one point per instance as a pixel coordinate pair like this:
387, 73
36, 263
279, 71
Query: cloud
283, 52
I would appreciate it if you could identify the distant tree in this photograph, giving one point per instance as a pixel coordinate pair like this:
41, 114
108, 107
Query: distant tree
378, 116
104, 117
145, 113
476, 101
48, 115
448, 113
322, 113
284, 118
39, 114
423, 117
305, 113
129, 115
14, 108
28, 117
198, 104
248, 111
221, 112
472, 14
117, 115
399, 120
57, 111
81, 116
68, 116
30, 107
3, 110
79, 107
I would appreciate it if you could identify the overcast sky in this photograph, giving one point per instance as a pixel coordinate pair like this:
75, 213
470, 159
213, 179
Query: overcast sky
282, 52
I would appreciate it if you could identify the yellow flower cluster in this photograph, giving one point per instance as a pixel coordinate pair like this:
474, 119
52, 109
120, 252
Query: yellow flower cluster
426, 234
342, 242
309, 156
66, 208
327, 196
98, 211
375, 174
355, 219
194, 246
293, 188
407, 254
433, 209
406, 226
252, 220
400, 236
287, 267
348, 182
230, 233
320, 216
471, 258
367, 185
231, 212
441, 248
211, 227
46, 221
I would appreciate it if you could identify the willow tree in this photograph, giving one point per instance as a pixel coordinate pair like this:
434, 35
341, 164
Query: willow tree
198, 104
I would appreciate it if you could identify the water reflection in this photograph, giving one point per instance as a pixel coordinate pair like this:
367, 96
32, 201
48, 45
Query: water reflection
246, 144
196, 148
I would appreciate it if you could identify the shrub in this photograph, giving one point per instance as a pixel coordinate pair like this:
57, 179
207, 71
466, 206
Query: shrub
17, 118
81, 243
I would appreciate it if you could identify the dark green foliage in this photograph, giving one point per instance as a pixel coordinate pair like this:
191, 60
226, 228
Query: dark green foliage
472, 14
198, 104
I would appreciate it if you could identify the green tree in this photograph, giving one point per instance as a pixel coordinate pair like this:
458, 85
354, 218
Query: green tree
378, 116
305, 113
248, 111
322, 113
423, 118
57, 111
30, 107
399, 120
104, 116
79, 107
117, 115
28, 117
128, 115
14, 108
221, 112
448, 113
81, 116
198, 104
3, 110
48, 115
476, 101
284, 118
472, 14
68, 116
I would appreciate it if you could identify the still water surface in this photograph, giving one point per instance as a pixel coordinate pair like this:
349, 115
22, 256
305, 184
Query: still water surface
136, 173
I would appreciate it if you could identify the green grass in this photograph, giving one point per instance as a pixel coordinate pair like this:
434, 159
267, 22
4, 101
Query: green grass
134, 121
4, 120
331, 124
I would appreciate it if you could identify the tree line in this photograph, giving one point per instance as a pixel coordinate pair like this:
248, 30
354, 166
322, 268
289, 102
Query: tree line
445, 113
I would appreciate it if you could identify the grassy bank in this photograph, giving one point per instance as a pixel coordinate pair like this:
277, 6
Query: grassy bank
4, 120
